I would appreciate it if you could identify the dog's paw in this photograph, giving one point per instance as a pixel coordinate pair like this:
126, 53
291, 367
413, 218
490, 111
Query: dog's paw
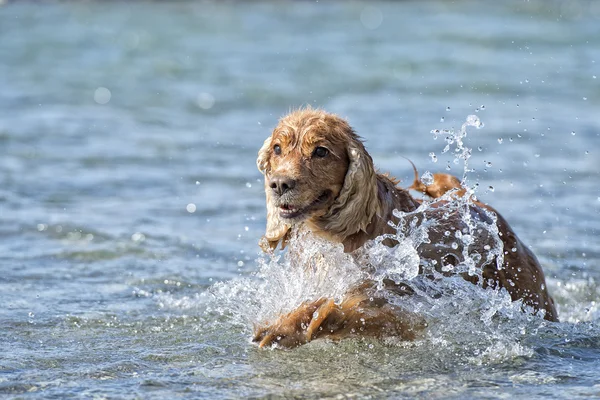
296, 328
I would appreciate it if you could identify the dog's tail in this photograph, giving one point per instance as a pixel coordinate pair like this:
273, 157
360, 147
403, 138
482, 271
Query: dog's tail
442, 183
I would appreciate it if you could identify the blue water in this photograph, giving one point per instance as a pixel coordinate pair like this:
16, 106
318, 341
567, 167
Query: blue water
131, 207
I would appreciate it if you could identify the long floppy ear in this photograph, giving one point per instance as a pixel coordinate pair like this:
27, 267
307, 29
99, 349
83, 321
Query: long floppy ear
277, 230
262, 162
357, 203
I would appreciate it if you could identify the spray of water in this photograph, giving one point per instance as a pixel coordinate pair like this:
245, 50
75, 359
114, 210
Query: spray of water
455, 140
459, 313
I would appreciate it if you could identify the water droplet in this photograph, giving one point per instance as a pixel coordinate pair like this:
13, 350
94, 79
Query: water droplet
454, 245
500, 140
573, 133
248, 185
473, 120
427, 178
205, 101
447, 233
138, 237
536, 155
102, 95
433, 157
447, 108
447, 268
240, 263
488, 164
42, 227
442, 119
191, 208
480, 148
491, 188
371, 17
482, 108
514, 249
585, 98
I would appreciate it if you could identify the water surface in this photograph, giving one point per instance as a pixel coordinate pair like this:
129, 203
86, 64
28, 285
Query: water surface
130, 205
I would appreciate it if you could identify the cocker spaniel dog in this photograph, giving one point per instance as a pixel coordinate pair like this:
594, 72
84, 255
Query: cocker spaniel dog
319, 176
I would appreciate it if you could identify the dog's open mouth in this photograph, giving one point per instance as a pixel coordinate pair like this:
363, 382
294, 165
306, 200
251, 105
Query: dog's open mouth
290, 211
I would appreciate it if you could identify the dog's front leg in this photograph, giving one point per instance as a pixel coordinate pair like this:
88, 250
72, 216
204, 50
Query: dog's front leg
356, 316
297, 327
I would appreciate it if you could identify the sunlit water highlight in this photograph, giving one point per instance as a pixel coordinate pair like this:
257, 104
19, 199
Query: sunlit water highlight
130, 208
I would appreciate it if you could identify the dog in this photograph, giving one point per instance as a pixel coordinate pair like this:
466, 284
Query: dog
319, 176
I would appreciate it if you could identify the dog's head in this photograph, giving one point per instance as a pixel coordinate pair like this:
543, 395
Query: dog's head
317, 171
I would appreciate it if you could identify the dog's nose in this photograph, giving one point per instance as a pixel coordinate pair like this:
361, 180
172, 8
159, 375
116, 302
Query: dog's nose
280, 185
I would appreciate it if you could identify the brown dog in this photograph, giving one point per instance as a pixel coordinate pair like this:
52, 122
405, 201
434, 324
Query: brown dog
319, 175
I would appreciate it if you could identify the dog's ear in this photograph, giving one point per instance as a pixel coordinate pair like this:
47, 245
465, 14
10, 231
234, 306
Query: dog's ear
357, 203
277, 230
262, 162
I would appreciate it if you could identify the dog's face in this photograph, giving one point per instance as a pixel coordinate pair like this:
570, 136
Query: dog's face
307, 166
314, 165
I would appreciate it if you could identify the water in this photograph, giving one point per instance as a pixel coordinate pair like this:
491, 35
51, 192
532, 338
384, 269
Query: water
130, 206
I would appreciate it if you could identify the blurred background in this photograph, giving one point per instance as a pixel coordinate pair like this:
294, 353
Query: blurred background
128, 138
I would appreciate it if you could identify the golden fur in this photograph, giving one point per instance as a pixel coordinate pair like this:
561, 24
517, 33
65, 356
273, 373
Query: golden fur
338, 195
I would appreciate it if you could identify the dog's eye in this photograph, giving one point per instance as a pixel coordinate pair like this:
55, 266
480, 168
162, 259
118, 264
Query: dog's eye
277, 149
320, 152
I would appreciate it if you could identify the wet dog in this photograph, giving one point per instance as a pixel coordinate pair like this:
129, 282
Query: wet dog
319, 176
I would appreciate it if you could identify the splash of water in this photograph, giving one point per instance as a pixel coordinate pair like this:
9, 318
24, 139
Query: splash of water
459, 313
462, 153
311, 268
